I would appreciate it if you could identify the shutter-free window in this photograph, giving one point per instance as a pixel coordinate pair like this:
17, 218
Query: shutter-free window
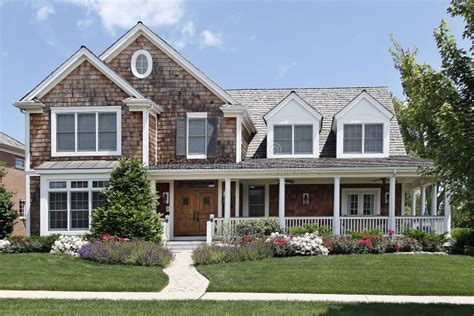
373, 138
108, 131
79, 210
65, 132
58, 210
303, 139
368, 207
86, 132
181, 137
256, 201
352, 138
282, 139
352, 204
197, 136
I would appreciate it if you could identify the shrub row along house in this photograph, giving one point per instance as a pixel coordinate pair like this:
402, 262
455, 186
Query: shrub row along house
329, 156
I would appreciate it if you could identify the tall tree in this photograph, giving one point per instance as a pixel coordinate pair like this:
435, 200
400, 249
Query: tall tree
437, 119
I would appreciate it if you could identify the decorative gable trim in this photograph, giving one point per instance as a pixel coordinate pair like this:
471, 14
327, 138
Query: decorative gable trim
363, 95
293, 96
141, 29
83, 54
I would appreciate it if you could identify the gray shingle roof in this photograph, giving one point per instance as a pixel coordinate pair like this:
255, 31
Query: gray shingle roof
11, 142
327, 101
84, 164
306, 163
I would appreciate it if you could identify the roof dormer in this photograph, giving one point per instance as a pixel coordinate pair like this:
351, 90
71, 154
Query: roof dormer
293, 129
362, 128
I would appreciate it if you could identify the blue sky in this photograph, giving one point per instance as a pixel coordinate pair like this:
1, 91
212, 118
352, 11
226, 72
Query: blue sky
239, 44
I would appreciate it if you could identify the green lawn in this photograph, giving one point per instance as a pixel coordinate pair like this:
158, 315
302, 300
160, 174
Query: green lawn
349, 274
42, 271
90, 307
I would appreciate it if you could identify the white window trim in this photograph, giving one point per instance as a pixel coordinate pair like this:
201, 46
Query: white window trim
20, 167
44, 203
89, 109
293, 155
346, 191
134, 65
363, 153
196, 115
385, 138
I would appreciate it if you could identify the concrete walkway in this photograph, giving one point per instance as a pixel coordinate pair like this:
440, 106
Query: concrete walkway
184, 279
239, 297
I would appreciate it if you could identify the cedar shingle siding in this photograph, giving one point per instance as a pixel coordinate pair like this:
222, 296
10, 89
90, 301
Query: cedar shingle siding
170, 86
85, 86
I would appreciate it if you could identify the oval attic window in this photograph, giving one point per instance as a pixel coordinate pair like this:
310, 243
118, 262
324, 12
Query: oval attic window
141, 64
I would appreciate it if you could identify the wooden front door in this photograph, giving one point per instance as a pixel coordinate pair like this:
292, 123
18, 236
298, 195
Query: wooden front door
192, 207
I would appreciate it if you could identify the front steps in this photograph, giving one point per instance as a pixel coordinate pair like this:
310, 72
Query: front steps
184, 245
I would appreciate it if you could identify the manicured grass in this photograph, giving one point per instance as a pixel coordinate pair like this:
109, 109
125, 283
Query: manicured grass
90, 307
353, 274
42, 271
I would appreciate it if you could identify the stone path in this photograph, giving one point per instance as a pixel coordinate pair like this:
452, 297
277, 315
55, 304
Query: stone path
184, 278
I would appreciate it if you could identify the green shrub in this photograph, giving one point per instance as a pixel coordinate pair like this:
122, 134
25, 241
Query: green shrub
135, 252
129, 206
361, 235
320, 230
8, 215
429, 241
20, 244
463, 241
258, 227
232, 253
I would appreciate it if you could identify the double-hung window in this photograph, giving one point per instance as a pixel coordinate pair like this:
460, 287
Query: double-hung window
86, 131
292, 139
70, 203
197, 136
363, 138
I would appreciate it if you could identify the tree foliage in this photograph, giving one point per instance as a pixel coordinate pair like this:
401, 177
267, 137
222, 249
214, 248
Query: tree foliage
129, 206
8, 215
437, 119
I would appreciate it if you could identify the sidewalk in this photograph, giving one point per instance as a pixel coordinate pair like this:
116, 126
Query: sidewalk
225, 296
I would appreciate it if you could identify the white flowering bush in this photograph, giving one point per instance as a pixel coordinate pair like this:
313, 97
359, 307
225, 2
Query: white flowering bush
69, 245
5, 245
308, 244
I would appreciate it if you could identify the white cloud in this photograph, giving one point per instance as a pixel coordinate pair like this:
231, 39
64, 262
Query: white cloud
44, 11
187, 32
209, 38
83, 23
283, 69
125, 14
188, 29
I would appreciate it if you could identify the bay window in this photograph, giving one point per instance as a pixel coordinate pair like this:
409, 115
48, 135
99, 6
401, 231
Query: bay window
86, 131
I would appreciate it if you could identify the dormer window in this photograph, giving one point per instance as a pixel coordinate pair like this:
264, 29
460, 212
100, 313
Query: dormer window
363, 138
293, 129
141, 64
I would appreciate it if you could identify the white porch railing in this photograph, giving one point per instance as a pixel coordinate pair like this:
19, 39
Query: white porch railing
360, 224
224, 229
309, 220
424, 223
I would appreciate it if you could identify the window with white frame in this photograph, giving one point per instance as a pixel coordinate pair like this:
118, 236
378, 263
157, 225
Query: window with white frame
141, 64
19, 163
21, 208
86, 131
292, 139
70, 203
361, 202
197, 135
363, 138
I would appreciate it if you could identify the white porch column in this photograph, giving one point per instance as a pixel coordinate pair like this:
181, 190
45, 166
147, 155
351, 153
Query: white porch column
434, 199
281, 203
413, 203
447, 212
336, 208
423, 199
237, 198
391, 203
227, 198
219, 198
403, 203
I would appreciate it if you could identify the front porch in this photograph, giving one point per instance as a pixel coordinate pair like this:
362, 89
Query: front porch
346, 203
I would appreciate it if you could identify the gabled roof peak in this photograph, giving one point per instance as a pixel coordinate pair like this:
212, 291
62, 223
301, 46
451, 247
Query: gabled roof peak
292, 96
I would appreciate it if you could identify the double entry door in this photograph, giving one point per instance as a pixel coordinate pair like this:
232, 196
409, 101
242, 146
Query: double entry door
192, 207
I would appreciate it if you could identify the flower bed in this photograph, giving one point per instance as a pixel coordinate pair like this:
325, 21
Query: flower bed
21, 244
69, 245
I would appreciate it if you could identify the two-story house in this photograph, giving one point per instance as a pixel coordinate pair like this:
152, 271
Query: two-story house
329, 156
